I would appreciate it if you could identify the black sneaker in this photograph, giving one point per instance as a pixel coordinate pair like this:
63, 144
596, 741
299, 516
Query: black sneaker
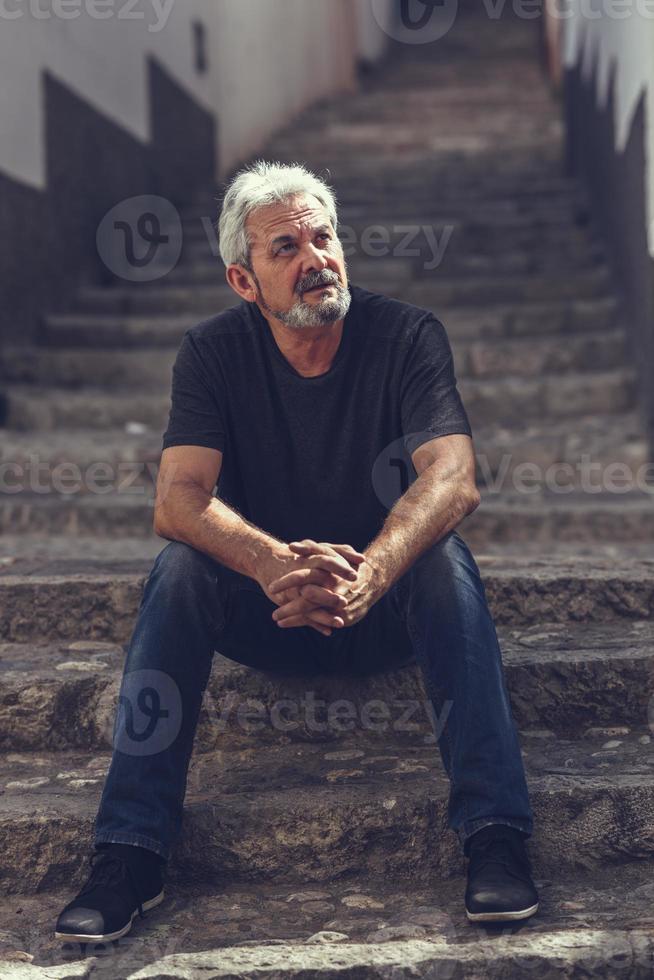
124, 881
499, 876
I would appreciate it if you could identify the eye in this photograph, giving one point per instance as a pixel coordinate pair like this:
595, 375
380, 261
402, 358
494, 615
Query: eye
325, 236
282, 249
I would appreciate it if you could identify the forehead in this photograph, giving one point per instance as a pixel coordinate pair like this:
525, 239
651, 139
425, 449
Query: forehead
292, 216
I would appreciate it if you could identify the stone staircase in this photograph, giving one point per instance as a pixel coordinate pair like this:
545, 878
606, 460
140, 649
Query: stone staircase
315, 841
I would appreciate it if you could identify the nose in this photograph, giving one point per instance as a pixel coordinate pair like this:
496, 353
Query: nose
313, 258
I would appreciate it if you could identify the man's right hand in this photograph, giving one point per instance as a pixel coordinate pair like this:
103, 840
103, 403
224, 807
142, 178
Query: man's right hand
324, 616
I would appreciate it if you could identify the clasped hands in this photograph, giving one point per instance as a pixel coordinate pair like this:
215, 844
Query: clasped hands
321, 585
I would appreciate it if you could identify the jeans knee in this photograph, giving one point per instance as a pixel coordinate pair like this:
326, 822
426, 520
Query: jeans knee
449, 552
445, 566
180, 567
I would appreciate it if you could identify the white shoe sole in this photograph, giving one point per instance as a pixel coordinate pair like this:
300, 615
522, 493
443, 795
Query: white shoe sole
502, 916
108, 937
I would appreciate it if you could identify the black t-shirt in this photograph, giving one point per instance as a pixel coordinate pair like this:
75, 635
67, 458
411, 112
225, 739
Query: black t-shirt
322, 457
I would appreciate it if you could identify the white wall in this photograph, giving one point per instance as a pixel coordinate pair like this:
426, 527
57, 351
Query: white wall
268, 59
628, 43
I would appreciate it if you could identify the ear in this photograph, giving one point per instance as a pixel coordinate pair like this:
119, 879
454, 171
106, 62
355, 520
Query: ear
241, 282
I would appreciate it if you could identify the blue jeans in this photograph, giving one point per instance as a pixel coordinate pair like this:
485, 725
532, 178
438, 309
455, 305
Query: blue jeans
192, 605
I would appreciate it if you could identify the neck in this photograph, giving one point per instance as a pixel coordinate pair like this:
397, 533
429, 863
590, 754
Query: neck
310, 350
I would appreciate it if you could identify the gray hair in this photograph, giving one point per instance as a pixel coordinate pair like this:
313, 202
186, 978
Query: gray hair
257, 186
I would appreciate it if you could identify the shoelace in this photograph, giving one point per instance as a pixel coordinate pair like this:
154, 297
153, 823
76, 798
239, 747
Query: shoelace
109, 869
499, 851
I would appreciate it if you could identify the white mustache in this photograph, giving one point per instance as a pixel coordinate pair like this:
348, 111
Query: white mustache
306, 285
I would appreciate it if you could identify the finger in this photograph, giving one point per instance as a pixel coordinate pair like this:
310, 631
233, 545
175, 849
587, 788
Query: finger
291, 582
332, 563
300, 620
298, 607
323, 597
304, 576
310, 547
349, 552
304, 610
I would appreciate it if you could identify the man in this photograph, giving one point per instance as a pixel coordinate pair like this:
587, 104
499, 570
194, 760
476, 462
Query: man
289, 400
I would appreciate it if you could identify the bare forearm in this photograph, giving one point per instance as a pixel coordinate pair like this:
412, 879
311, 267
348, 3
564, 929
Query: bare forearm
196, 518
432, 506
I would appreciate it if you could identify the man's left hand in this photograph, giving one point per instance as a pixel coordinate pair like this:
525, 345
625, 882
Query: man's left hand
310, 584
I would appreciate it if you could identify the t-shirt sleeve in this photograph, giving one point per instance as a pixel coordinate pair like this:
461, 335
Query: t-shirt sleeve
430, 402
195, 417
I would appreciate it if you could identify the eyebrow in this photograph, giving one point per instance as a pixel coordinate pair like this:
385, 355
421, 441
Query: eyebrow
285, 239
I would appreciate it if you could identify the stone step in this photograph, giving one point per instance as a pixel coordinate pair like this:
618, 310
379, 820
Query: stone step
142, 300
440, 171
535, 356
457, 256
436, 293
119, 330
151, 369
536, 519
505, 515
471, 235
86, 599
550, 396
472, 232
474, 157
427, 181
567, 317
105, 367
25, 553
463, 323
32, 407
592, 446
323, 811
43, 462
393, 107
501, 400
364, 253
429, 257
78, 367
448, 133
466, 290
128, 514
588, 923
429, 197
458, 184
564, 679
102, 462
394, 271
